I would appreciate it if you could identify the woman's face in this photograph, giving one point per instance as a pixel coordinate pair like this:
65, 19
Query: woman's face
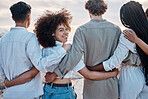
61, 33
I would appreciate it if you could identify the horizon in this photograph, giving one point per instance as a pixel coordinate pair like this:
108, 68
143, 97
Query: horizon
76, 7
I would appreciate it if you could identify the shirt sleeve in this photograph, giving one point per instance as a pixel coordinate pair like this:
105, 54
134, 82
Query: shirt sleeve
2, 74
35, 55
120, 53
79, 66
73, 55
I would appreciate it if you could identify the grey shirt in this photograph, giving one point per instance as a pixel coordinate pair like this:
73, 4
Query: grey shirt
97, 40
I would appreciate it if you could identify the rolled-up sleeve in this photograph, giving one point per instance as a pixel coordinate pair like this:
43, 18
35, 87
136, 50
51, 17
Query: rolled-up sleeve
120, 54
79, 66
35, 55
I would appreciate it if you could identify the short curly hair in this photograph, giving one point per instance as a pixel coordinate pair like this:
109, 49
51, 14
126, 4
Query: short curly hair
146, 12
96, 7
47, 24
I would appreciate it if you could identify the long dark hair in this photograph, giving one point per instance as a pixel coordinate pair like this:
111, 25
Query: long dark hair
132, 16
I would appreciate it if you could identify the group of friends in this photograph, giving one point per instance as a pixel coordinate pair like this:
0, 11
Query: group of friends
104, 46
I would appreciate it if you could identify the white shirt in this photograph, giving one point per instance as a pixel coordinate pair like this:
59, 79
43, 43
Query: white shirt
121, 52
50, 50
19, 51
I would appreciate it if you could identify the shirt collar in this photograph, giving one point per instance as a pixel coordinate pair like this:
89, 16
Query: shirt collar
59, 43
18, 28
98, 20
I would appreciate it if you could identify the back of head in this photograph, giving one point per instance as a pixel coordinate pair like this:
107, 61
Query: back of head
132, 16
20, 11
96, 7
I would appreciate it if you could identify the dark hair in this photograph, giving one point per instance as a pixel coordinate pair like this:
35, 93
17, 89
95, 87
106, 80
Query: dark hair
47, 24
96, 7
20, 11
132, 16
146, 12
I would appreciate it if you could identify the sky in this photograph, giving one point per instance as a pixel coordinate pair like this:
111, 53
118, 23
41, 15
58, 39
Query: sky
76, 7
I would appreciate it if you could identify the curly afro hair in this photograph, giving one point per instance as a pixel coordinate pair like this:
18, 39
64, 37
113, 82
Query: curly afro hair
47, 24
96, 7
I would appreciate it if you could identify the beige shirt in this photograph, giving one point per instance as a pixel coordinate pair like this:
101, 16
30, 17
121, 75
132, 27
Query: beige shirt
96, 39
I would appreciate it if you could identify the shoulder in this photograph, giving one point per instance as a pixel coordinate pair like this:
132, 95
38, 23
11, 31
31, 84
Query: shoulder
32, 35
125, 41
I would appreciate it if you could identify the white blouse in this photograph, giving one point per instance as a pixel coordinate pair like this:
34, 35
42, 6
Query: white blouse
50, 50
121, 52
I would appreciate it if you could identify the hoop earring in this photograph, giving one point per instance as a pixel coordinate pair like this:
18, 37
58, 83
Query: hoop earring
53, 34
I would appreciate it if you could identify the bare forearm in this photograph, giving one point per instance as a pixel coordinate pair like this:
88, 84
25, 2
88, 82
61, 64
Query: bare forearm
95, 75
96, 68
23, 78
142, 45
101, 75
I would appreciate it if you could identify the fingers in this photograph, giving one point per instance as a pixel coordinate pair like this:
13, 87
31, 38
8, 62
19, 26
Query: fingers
127, 33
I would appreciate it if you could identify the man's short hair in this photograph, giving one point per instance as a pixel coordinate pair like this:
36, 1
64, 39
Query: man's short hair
146, 12
20, 11
96, 7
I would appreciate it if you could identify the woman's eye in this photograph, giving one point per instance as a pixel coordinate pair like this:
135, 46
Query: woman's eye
61, 30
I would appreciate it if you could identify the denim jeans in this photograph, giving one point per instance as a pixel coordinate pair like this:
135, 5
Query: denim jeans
52, 92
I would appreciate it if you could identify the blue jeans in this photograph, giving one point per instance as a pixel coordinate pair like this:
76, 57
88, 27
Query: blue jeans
52, 92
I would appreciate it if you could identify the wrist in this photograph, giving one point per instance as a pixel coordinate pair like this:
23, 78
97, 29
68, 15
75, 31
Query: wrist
137, 40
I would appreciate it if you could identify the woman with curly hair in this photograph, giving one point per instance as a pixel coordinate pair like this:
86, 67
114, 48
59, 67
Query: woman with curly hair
52, 30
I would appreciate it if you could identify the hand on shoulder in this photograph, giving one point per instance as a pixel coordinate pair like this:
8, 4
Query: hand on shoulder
66, 46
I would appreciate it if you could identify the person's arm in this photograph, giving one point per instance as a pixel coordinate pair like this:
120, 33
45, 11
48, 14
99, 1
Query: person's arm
94, 75
28, 75
119, 55
34, 53
98, 67
80, 67
23, 78
73, 55
131, 36
2, 74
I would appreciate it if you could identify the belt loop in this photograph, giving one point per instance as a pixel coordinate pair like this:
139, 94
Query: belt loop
68, 86
51, 85
51, 88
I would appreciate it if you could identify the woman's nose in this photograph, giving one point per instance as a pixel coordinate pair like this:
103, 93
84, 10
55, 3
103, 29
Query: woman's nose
66, 32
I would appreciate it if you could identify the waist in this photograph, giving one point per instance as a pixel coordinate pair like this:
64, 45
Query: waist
62, 81
59, 85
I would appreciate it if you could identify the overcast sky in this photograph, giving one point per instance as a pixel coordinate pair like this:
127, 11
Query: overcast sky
80, 15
